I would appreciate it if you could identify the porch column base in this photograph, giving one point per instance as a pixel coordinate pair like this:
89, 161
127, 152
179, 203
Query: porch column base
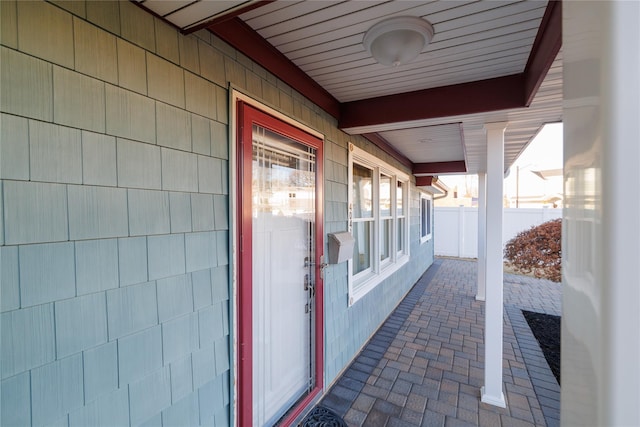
492, 400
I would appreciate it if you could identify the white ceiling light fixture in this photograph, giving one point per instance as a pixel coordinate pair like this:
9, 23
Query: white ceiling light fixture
397, 41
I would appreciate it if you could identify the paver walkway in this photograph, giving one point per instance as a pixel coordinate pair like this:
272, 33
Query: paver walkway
424, 366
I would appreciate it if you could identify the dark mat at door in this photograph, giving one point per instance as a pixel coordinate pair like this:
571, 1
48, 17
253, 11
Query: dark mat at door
322, 417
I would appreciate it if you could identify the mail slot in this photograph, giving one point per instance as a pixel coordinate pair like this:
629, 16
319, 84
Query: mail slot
340, 247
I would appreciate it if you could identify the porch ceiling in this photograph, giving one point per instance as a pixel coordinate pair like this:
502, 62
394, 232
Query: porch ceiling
488, 61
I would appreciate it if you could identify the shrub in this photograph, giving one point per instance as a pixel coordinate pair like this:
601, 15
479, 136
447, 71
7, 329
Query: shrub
537, 251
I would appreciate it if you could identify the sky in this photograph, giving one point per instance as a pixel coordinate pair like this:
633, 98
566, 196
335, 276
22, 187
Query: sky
543, 153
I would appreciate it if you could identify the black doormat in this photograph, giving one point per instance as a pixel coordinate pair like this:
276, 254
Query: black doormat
322, 417
546, 329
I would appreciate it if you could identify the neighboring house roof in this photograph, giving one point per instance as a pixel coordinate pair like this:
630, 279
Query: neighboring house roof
548, 173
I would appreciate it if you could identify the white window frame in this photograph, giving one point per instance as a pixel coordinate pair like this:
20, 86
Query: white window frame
363, 282
372, 221
428, 201
404, 247
391, 216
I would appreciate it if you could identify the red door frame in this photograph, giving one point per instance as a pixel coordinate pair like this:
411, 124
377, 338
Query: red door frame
247, 116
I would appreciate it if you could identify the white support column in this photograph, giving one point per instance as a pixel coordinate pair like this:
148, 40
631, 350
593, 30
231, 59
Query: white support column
482, 236
601, 250
491, 392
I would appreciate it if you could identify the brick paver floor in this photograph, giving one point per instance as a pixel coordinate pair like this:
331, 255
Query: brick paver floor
424, 366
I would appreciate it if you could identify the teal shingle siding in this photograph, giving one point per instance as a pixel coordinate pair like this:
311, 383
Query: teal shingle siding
100, 301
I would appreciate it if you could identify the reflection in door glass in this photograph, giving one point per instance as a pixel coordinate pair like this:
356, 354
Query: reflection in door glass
283, 175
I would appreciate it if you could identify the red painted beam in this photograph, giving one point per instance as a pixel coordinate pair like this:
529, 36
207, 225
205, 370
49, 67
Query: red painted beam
424, 181
500, 93
435, 168
544, 51
384, 145
245, 39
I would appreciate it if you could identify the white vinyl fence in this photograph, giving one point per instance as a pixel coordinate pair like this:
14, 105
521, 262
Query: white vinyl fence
456, 229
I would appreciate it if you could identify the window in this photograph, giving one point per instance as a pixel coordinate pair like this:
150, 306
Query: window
426, 217
362, 217
386, 218
401, 233
377, 221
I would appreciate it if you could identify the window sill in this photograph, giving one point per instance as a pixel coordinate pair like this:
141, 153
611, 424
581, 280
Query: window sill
370, 281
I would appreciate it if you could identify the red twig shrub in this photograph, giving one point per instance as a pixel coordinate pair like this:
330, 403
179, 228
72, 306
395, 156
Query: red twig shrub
537, 251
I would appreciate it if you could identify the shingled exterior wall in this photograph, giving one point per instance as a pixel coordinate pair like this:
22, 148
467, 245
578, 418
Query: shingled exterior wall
115, 293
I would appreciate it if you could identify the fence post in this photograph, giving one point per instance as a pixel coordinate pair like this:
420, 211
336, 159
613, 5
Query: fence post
461, 230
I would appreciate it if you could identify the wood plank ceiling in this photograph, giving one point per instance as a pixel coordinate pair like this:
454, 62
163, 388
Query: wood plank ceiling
473, 40
486, 62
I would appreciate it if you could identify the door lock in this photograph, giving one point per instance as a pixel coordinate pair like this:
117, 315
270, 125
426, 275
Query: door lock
308, 263
308, 286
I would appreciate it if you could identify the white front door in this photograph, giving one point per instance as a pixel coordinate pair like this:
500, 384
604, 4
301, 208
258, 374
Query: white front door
283, 204
278, 239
